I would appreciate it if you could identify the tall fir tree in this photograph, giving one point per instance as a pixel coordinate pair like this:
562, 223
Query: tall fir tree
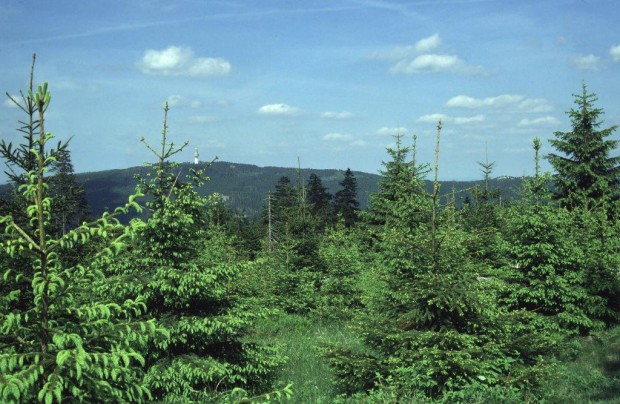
64, 342
69, 197
319, 199
586, 173
345, 200
186, 269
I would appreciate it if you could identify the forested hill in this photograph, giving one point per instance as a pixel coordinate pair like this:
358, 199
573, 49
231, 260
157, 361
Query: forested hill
245, 187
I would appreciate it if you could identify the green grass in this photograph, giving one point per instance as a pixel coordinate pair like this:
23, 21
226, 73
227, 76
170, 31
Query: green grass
593, 376
306, 369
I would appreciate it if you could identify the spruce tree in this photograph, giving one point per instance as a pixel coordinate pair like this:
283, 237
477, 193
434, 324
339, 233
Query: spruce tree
345, 200
69, 205
63, 342
432, 326
186, 269
319, 199
586, 173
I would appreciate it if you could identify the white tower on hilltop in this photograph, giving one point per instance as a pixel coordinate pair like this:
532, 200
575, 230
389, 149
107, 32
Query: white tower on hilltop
196, 155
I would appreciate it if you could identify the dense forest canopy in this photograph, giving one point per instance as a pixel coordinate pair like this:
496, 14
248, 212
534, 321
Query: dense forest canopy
420, 294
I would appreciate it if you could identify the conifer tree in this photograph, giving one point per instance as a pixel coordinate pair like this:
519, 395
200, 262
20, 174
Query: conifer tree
186, 270
69, 205
586, 173
319, 199
432, 327
545, 263
345, 200
62, 342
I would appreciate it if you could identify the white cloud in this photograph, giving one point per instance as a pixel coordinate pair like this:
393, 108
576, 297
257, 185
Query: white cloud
432, 118
181, 61
429, 44
278, 109
545, 120
459, 120
434, 63
586, 62
532, 105
512, 102
464, 101
358, 143
464, 120
385, 131
196, 119
337, 115
424, 45
614, 52
337, 136
10, 104
180, 101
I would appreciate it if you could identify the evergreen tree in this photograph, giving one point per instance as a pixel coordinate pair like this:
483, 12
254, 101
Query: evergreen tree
586, 174
345, 200
319, 199
545, 263
69, 202
432, 328
186, 269
400, 187
63, 342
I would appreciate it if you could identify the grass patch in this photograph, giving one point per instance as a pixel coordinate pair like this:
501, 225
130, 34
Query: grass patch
299, 336
593, 376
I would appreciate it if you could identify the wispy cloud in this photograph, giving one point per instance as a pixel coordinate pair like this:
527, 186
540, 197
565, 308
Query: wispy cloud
337, 115
385, 131
422, 57
278, 109
199, 119
434, 63
9, 103
543, 121
509, 102
614, 52
585, 62
181, 61
424, 45
180, 101
457, 120
337, 136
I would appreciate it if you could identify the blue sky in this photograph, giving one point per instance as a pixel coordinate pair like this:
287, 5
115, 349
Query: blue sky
267, 82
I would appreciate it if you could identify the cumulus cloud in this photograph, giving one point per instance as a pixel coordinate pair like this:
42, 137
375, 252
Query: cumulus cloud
385, 131
614, 52
512, 102
434, 63
337, 115
543, 121
424, 45
432, 118
278, 109
180, 101
181, 61
586, 62
422, 57
458, 120
337, 136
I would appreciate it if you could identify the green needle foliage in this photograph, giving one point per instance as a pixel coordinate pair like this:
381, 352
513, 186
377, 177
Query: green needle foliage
57, 340
433, 328
586, 173
186, 270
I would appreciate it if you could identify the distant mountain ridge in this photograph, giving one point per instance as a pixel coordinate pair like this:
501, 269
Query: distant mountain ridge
245, 187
